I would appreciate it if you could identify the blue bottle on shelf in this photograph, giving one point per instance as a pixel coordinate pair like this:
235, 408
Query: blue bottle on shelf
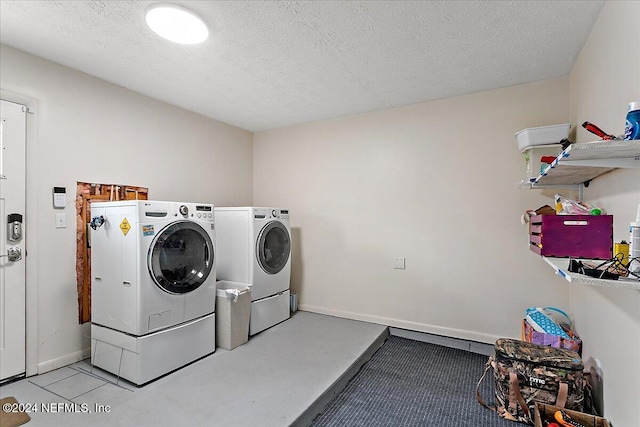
632, 126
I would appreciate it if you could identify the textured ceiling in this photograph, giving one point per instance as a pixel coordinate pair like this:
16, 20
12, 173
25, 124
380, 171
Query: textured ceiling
273, 64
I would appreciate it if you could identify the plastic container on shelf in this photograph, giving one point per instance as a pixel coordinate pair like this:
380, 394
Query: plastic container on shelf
533, 158
621, 251
543, 135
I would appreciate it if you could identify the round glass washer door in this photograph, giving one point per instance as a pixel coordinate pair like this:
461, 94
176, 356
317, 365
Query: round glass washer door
180, 257
274, 247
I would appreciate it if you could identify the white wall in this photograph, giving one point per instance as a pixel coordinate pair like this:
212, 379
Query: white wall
432, 182
605, 78
89, 130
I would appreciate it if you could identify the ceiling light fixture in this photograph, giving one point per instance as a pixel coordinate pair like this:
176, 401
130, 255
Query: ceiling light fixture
176, 23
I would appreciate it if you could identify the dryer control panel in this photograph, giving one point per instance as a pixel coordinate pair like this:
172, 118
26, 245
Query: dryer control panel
280, 213
204, 212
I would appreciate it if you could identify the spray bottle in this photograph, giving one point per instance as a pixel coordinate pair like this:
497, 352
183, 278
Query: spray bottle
634, 244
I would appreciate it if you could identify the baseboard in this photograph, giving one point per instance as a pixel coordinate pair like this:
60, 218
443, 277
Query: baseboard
472, 337
62, 361
470, 346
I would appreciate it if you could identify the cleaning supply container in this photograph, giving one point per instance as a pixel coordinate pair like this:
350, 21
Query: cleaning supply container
621, 251
632, 125
634, 244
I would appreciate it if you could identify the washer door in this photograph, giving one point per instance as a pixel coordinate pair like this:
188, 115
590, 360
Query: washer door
180, 257
274, 247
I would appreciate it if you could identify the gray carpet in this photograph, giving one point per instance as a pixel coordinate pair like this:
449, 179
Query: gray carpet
411, 383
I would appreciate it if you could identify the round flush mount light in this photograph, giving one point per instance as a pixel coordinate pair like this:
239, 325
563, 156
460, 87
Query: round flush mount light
176, 23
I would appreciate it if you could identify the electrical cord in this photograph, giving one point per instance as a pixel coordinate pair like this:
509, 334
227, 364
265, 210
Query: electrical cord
631, 273
610, 269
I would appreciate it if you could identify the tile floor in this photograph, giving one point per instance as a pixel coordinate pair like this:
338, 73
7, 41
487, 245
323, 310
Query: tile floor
282, 376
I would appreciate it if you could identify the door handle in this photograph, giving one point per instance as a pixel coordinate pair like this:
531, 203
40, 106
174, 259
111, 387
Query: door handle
14, 254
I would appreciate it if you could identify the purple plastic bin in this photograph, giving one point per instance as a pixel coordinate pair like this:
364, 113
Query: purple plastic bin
574, 236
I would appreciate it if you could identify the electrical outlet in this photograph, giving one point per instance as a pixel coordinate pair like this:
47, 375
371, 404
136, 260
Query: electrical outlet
398, 263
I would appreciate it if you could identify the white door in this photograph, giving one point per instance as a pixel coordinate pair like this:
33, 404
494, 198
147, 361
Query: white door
12, 242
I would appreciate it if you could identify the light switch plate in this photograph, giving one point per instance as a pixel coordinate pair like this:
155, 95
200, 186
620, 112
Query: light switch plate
398, 263
61, 220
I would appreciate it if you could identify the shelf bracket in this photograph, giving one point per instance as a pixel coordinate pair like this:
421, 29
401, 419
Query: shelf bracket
581, 191
575, 187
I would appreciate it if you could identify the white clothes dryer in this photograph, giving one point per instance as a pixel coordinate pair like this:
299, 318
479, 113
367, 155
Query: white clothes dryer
255, 248
153, 285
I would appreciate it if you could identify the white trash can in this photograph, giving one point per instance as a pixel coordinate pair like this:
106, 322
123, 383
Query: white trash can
233, 308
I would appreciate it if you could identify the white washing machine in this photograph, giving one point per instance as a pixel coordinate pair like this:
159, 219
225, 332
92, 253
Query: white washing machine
254, 247
153, 286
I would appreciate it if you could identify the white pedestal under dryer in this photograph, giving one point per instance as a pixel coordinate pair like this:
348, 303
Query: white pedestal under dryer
254, 247
153, 286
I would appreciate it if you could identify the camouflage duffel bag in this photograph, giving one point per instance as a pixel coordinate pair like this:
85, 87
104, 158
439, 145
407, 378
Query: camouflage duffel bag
526, 372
